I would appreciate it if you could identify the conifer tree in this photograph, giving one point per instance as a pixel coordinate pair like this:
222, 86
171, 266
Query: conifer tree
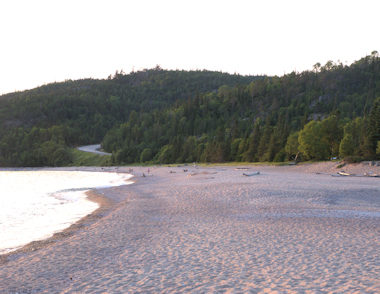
374, 126
272, 147
304, 120
364, 146
254, 141
264, 140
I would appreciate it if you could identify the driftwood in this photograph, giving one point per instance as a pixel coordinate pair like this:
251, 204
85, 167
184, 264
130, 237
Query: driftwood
242, 168
318, 173
329, 174
345, 174
248, 175
204, 173
372, 175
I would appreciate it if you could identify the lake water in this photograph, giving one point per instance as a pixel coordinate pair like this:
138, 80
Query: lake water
36, 204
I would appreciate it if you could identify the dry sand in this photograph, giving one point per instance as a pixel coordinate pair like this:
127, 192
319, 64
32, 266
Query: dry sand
287, 230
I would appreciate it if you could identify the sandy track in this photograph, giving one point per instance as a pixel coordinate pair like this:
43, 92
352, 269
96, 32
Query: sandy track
93, 149
283, 230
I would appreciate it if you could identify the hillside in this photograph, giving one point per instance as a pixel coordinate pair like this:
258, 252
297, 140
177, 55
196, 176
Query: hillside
39, 124
184, 116
306, 115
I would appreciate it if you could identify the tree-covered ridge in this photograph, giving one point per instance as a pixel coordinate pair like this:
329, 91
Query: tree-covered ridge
180, 116
84, 110
270, 119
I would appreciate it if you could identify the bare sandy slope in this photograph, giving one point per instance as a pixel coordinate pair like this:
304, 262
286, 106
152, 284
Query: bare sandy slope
287, 230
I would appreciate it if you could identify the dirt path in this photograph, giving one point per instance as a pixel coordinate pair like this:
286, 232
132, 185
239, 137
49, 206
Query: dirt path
93, 149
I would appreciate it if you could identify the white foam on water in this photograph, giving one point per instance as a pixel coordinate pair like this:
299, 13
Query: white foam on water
36, 204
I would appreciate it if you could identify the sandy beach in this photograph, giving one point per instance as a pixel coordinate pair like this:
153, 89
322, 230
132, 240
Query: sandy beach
213, 230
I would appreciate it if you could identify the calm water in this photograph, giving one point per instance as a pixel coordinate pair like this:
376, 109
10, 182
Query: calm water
36, 204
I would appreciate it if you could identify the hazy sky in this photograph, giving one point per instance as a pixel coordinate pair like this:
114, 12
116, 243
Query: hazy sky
47, 41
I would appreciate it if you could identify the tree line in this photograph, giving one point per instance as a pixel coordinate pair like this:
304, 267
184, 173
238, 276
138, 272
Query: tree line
314, 115
164, 116
81, 112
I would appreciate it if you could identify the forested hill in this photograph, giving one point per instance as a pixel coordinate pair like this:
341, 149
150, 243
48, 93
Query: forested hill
179, 116
39, 124
313, 115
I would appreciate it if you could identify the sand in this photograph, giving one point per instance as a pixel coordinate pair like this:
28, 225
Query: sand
211, 229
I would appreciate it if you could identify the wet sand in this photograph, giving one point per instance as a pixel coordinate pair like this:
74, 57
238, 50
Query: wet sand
211, 229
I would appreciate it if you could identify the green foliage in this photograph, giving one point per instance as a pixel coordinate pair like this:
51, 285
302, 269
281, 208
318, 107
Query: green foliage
227, 124
82, 112
332, 133
166, 154
54, 154
202, 116
253, 144
146, 155
280, 156
235, 149
353, 159
81, 158
291, 147
347, 146
374, 126
313, 143
38, 147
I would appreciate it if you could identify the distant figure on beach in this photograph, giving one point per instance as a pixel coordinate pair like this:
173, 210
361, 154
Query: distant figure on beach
148, 169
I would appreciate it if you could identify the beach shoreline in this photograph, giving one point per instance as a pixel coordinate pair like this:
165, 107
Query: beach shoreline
212, 229
105, 204
93, 195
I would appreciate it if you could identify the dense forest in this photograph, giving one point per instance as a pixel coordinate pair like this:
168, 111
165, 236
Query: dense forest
162, 116
39, 125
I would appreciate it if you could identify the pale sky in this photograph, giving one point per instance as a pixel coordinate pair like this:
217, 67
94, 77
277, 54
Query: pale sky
47, 41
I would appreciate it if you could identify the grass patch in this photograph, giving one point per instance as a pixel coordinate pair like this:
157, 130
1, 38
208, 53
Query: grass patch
81, 158
202, 164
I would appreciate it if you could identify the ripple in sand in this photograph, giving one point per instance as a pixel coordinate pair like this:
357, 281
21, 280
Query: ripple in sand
314, 213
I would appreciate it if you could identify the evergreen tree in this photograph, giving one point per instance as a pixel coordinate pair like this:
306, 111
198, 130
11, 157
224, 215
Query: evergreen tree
364, 148
332, 133
373, 132
254, 141
235, 149
264, 140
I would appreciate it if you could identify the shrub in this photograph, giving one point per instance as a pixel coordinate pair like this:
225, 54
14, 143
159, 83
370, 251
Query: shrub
280, 156
146, 155
353, 159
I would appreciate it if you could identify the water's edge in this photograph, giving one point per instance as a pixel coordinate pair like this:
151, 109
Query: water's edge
105, 204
